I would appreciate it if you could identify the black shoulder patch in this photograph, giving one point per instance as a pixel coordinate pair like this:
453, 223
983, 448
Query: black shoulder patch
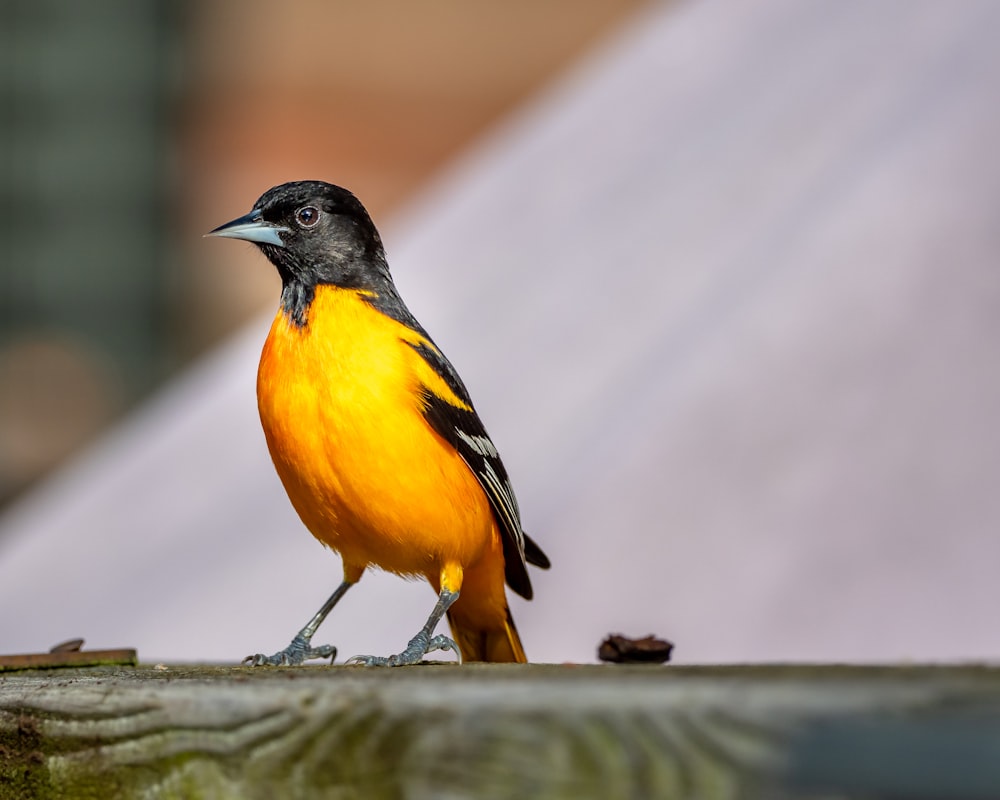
386, 300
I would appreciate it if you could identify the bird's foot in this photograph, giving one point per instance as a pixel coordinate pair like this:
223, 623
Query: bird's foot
298, 650
419, 646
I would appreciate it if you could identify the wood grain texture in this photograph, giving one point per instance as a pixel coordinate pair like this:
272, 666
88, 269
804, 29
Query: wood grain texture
500, 731
727, 299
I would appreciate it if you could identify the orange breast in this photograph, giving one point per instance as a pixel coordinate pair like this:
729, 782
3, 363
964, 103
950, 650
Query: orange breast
340, 404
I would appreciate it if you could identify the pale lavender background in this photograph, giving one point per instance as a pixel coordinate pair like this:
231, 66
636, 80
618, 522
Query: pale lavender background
728, 298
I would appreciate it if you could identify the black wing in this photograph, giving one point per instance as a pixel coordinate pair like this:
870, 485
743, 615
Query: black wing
464, 431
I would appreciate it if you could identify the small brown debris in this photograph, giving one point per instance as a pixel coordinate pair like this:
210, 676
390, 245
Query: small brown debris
620, 649
69, 646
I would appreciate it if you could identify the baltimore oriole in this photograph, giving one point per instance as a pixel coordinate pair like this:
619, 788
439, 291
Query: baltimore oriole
373, 433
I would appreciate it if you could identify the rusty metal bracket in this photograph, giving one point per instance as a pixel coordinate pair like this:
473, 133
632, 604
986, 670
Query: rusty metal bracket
69, 654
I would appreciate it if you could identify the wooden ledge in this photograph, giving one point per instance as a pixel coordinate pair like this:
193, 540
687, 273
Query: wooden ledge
501, 731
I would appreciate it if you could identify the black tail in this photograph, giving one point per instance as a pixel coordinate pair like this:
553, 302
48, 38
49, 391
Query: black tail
533, 554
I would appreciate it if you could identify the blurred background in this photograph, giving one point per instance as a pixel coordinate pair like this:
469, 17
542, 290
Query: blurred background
129, 129
722, 280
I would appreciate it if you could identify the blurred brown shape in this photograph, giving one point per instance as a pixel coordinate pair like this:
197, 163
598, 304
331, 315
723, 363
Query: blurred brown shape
69, 646
55, 394
620, 649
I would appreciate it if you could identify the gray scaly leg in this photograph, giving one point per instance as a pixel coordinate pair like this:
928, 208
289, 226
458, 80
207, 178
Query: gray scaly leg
300, 648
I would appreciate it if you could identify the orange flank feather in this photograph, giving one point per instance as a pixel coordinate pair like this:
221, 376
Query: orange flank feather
342, 406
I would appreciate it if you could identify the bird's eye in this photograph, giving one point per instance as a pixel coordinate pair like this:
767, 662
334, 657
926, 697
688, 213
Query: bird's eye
307, 216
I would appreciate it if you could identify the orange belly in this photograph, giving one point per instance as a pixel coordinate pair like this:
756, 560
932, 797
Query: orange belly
340, 405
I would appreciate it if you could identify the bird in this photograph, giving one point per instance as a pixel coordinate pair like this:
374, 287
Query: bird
374, 436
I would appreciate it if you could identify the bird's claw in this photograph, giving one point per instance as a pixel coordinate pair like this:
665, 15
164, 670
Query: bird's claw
298, 651
419, 646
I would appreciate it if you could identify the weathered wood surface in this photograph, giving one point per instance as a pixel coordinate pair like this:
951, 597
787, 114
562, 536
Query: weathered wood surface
500, 731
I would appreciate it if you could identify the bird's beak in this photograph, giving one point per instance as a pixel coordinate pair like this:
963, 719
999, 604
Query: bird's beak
252, 227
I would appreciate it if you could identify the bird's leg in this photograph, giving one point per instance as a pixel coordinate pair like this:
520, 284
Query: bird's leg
421, 644
300, 648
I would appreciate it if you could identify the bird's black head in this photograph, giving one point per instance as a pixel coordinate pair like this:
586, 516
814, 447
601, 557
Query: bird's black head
314, 233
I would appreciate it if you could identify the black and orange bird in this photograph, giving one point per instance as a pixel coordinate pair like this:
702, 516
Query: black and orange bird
373, 433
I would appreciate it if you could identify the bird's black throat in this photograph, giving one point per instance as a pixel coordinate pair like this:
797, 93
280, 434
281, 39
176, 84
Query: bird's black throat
296, 297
